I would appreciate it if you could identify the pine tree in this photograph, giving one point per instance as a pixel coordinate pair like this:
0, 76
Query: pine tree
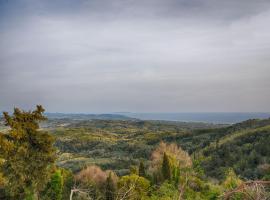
110, 188
28, 153
166, 168
142, 170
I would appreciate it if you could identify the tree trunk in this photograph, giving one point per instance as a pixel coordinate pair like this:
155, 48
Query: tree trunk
71, 194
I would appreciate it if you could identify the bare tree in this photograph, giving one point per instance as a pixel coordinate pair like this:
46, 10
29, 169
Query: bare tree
85, 192
250, 190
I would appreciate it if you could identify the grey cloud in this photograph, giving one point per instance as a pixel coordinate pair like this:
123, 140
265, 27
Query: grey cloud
104, 56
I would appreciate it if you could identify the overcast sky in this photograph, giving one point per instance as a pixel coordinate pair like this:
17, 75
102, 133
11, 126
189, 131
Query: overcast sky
135, 55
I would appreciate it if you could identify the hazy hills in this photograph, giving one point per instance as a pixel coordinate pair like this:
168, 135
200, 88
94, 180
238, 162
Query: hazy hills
114, 141
117, 144
81, 116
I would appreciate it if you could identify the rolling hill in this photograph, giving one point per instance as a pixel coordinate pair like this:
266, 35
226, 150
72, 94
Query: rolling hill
117, 144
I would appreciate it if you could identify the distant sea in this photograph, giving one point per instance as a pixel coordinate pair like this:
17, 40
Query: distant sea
216, 118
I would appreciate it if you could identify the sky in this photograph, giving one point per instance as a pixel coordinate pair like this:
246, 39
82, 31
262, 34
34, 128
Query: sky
99, 56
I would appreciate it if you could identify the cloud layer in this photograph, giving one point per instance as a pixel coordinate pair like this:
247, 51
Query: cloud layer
140, 56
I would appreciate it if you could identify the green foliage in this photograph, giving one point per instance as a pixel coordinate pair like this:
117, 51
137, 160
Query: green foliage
28, 153
68, 182
197, 188
28, 157
110, 189
114, 144
244, 148
29, 195
166, 168
134, 170
198, 168
166, 191
133, 187
231, 181
244, 151
54, 187
176, 175
142, 170
190, 187
3, 194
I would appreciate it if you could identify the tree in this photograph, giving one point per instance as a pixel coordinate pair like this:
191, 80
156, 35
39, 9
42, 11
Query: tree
165, 191
92, 179
54, 188
166, 168
2, 187
28, 153
232, 180
110, 188
250, 190
178, 157
142, 172
134, 170
91, 175
68, 182
132, 187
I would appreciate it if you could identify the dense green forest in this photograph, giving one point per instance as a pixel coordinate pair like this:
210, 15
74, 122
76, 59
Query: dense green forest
113, 159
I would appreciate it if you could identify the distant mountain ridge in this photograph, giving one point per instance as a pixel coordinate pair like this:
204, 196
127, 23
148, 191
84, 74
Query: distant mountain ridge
80, 116
206, 117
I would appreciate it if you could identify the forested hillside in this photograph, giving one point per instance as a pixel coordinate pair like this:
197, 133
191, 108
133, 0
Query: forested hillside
246, 150
117, 144
114, 144
67, 158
